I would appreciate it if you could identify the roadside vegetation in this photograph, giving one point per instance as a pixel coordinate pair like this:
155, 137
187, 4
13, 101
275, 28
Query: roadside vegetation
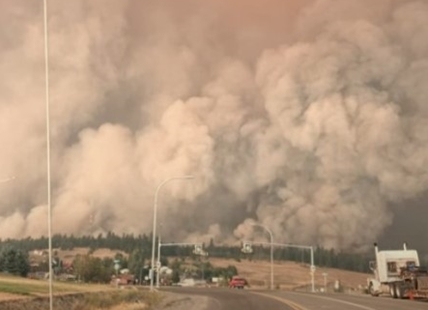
20, 293
112, 299
36, 288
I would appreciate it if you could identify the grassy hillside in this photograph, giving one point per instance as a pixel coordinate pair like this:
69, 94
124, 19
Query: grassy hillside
291, 275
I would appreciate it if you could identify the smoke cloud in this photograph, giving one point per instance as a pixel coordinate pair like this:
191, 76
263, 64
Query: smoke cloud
309, 117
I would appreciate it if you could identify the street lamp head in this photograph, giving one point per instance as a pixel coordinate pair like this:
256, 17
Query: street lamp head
262, 226
247, 248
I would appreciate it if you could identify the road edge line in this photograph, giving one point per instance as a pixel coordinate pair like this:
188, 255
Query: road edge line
283, 300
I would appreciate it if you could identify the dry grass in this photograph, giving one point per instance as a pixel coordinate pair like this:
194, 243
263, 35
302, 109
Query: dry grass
18, 288
21, 293
289, 275
69, 255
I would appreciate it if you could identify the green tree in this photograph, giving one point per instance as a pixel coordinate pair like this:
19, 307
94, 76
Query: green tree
136, 262
15, 262
22, 263
93, 269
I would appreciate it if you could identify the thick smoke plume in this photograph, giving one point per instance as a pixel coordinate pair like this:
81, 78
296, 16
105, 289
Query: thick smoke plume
310, 117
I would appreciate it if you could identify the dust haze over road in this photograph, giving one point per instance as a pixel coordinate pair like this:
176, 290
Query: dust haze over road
308, 116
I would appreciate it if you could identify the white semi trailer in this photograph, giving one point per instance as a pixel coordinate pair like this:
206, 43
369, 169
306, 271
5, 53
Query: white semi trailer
398, 273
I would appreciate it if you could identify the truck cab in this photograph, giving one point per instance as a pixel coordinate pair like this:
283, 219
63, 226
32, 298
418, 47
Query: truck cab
389, 271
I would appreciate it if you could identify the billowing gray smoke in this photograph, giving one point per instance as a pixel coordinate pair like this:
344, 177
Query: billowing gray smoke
310, 117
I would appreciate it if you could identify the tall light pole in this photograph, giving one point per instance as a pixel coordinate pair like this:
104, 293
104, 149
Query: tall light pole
312, 269
158, 263
48, 146
155, 207
271, 251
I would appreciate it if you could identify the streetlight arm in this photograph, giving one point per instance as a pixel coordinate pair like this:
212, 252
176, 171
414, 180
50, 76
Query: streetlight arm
265, 228
158, 188
310, 248
186, 177
178, 244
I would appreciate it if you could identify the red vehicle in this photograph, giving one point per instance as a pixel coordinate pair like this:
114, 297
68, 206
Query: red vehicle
237, 282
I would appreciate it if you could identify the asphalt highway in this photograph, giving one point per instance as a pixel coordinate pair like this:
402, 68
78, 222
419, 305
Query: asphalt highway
312, 301
226, 299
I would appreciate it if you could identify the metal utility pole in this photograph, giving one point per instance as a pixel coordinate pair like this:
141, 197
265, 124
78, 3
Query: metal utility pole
46, 39
155, 207
271, 252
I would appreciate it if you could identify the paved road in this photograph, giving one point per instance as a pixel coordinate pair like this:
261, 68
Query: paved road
226, 299
309, 301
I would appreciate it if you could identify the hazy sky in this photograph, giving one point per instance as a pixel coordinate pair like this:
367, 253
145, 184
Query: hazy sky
310, 117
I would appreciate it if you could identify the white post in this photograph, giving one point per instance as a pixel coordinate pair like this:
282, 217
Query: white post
158, 262
45, 23
325, 281
271, 262
155, 206
312, 270
271, 253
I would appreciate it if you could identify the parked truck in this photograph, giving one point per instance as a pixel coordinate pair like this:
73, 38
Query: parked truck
238, 282
398, 273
